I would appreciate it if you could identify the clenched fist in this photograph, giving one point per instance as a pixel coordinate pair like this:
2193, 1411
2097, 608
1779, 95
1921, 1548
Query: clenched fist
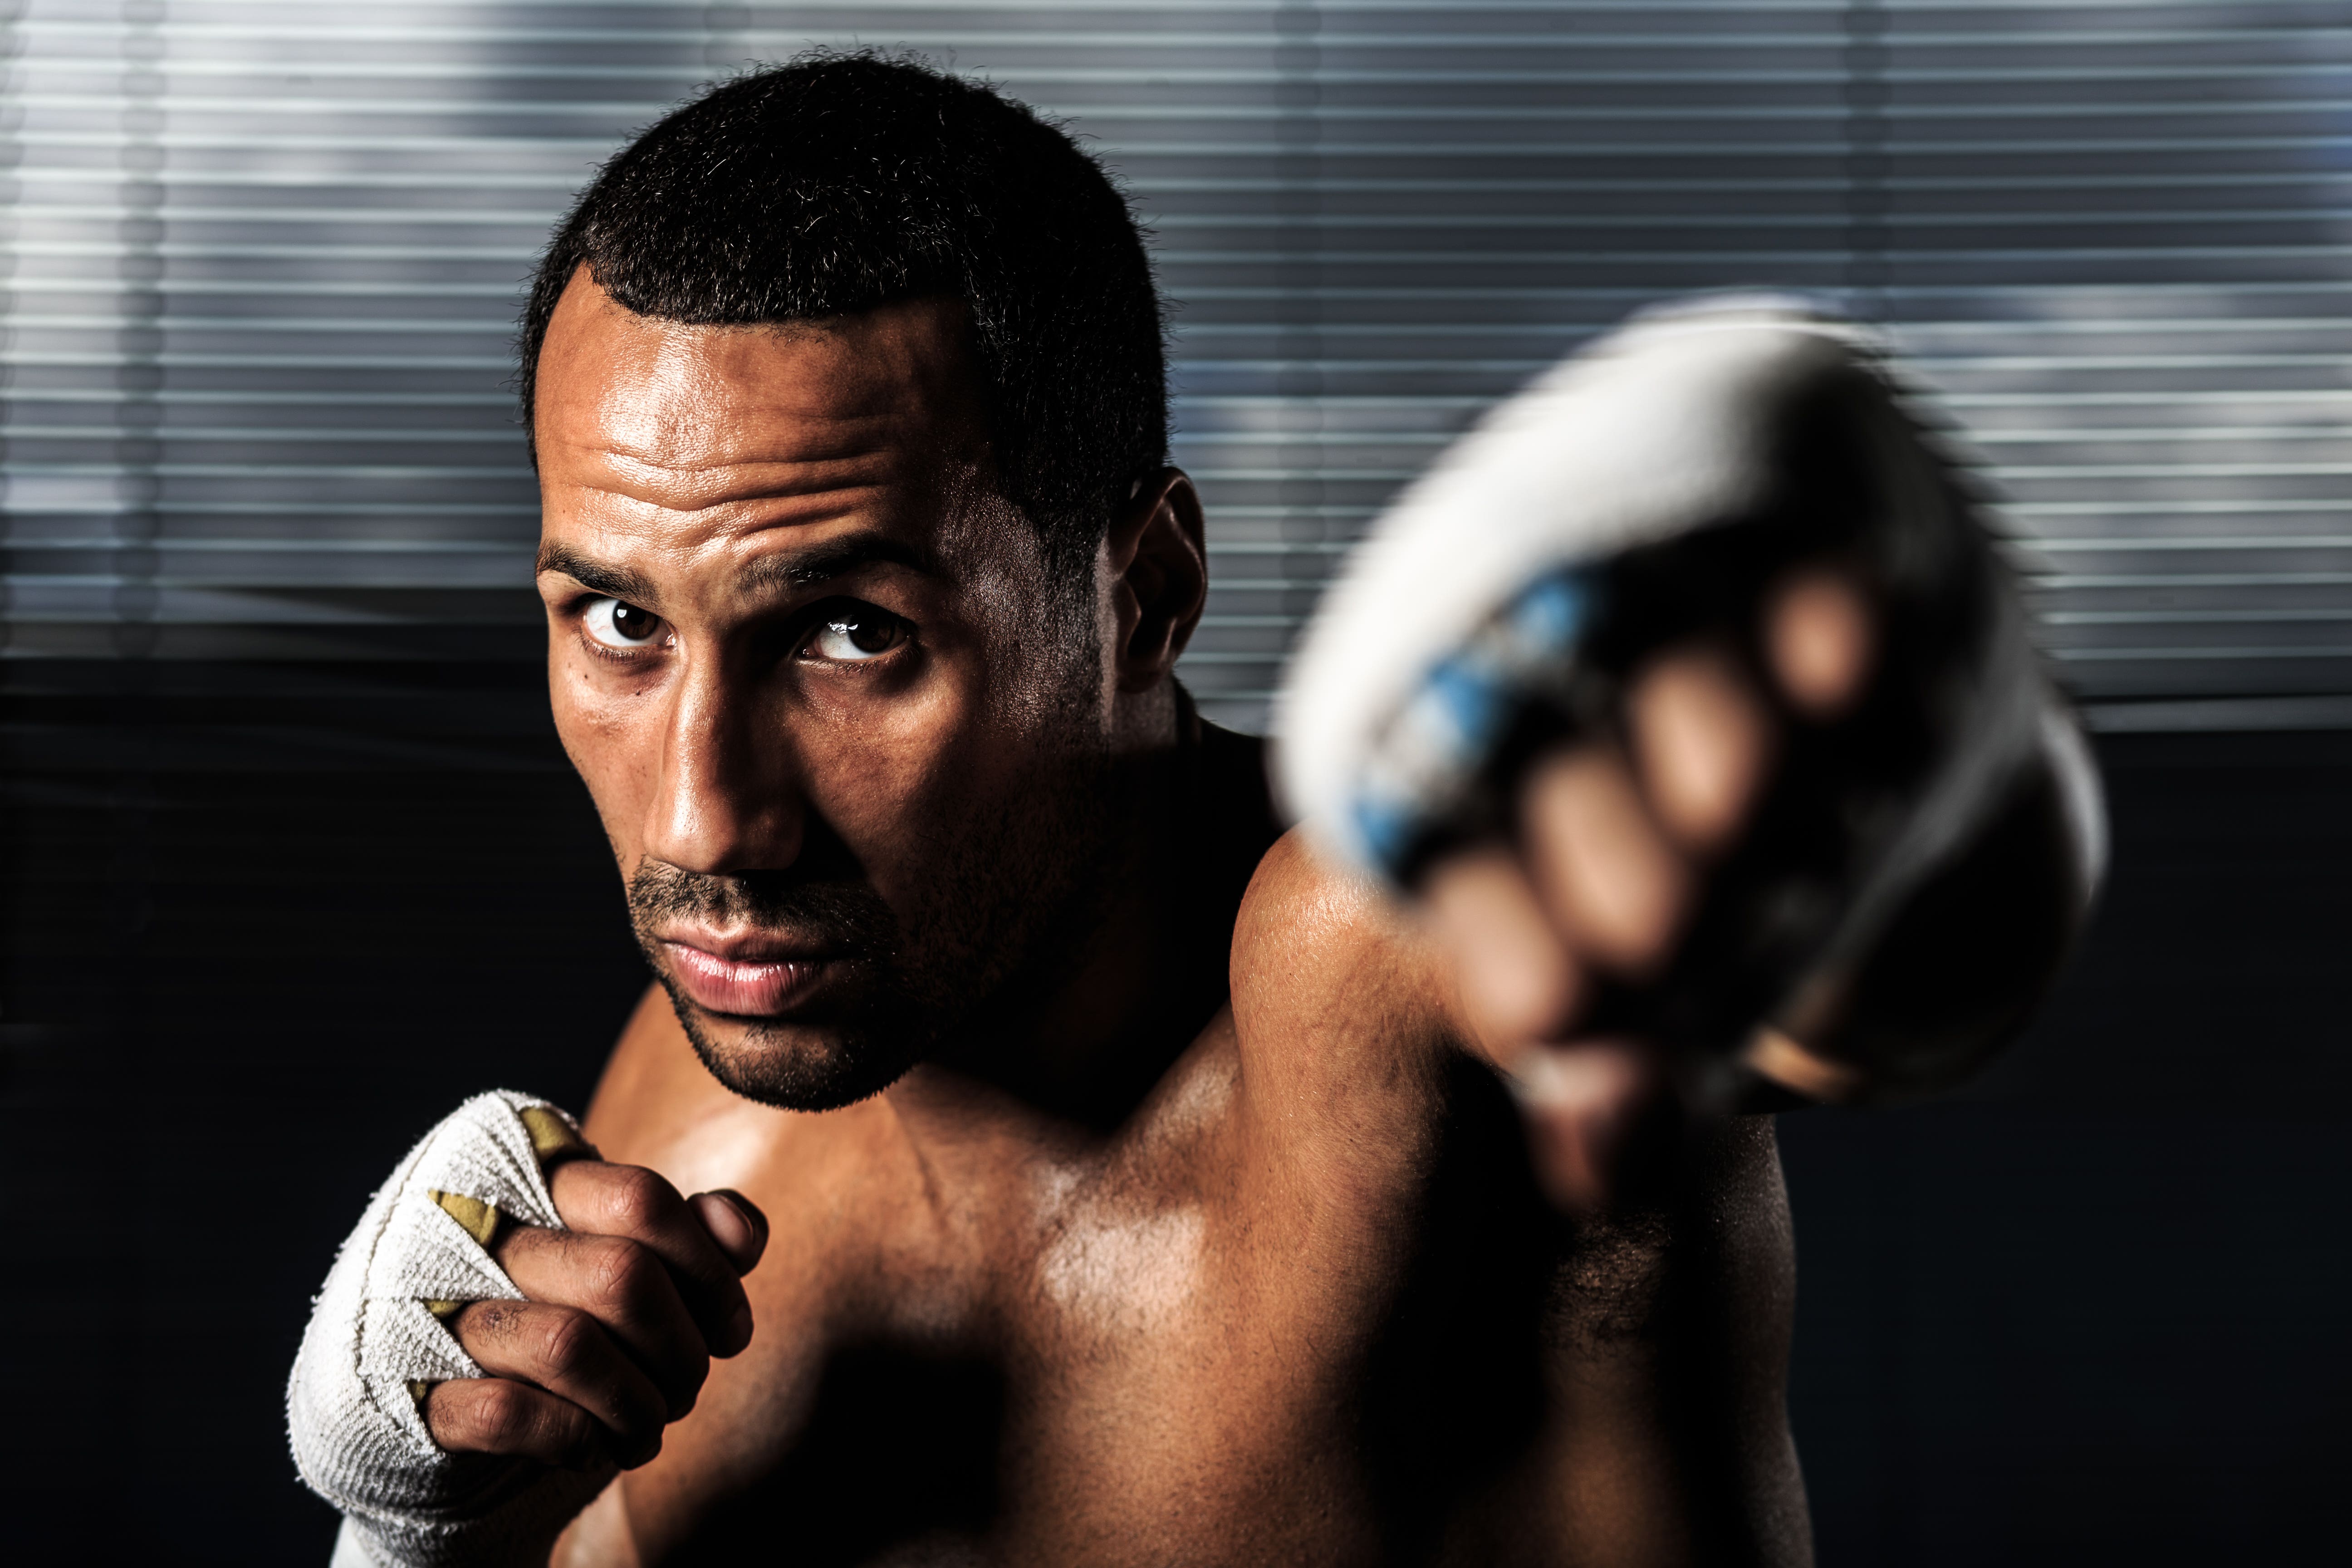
625, 1310
1614, 844
1690, 696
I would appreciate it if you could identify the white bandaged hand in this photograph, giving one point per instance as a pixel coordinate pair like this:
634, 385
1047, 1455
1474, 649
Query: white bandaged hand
378, 1341
1480, 588
1651, 495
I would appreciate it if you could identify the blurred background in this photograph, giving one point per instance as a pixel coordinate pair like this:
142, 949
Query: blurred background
292, 861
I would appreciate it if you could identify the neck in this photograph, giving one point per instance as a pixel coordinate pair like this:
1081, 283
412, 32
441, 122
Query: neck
1140, 968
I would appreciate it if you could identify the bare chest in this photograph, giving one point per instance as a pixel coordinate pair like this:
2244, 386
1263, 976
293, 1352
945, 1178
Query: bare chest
1153, 1350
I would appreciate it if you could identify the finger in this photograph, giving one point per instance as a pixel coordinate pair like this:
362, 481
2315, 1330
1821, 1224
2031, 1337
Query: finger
735, 1223
499, 1415
1701, 740
626, 1289
631, 1201
567, 1354
1603, 869
1581, 1100
1517, 980
1819, 640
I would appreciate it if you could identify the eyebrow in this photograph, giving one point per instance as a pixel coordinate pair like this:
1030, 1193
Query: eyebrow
598, 575
802, 569
838, 558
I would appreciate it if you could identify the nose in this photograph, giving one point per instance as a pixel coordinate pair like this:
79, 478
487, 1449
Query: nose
729, 798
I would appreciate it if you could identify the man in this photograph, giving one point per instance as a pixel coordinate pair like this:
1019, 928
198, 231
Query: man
1086, 1172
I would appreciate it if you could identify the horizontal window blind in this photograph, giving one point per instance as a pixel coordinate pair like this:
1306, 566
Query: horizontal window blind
2114, 236
263, 491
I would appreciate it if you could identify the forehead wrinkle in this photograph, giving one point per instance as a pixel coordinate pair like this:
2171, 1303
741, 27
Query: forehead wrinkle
700, 485
732, 419
681, 433
743, 526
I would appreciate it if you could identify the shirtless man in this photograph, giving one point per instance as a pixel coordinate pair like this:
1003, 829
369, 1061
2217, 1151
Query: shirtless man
1086, 1172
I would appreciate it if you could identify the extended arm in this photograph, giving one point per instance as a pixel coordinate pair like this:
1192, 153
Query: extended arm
1669, 1438
1664, 1322
1690, 696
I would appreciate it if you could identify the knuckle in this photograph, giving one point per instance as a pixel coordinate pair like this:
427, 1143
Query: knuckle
680, 1385
620, 1275
492, 1417
639, 1198
562, 1428
687, 1389
568, 1340
630, 1454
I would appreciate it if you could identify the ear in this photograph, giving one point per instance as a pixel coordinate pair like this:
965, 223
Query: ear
1159, 562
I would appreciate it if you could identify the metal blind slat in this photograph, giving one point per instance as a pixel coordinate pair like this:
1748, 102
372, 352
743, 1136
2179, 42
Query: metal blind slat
260, 261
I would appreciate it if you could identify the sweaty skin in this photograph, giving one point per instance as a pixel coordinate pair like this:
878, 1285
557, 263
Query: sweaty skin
1306, 1306
1209, 1234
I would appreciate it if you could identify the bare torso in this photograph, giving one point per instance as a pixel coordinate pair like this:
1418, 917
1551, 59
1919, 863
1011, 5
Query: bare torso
1304, 1305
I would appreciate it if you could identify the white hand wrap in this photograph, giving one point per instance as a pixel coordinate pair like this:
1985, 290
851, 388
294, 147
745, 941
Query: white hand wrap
376, 1342
1667, 425
1476, 624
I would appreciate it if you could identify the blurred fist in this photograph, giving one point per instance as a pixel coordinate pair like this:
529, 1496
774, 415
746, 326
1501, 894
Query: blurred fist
1610, 861
1689, 693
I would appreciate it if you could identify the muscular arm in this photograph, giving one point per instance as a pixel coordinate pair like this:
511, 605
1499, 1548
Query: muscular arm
1666, 1436
1663, 1436
1669, 1440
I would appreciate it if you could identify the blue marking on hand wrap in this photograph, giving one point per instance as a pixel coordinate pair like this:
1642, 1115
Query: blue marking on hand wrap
1471, 695
1550, 614
1425, 761
1385, 828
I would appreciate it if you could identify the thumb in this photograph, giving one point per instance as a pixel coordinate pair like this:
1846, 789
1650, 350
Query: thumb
735, 1223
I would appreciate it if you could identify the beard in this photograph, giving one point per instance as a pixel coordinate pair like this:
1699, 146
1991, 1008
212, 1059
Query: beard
815, 1063
998, 913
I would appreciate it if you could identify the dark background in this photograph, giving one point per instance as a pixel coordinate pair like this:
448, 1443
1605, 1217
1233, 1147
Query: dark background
2092, 1308
287, 863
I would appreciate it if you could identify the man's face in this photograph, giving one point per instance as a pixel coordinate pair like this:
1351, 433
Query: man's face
844, 733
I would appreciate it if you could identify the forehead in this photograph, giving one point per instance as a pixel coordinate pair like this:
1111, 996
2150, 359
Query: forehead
682, 418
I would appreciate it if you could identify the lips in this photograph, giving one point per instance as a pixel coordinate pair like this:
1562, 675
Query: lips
750, 985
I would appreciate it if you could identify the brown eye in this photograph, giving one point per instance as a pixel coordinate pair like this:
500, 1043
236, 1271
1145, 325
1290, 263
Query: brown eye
850, 633
619, 625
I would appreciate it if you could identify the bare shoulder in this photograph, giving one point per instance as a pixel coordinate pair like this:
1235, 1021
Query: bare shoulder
1347, 1022
1343, 1010
1318, 949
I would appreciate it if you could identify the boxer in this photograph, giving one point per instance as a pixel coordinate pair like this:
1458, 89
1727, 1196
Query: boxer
1084, 1170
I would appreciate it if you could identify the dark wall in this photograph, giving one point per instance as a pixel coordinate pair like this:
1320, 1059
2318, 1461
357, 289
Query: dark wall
245, 969
2094, 1308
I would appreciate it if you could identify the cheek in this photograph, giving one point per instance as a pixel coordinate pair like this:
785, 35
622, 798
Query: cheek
614, 740
1046, 657
880, 772
905, 780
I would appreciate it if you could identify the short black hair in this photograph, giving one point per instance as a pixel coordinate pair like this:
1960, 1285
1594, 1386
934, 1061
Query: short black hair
838, 182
